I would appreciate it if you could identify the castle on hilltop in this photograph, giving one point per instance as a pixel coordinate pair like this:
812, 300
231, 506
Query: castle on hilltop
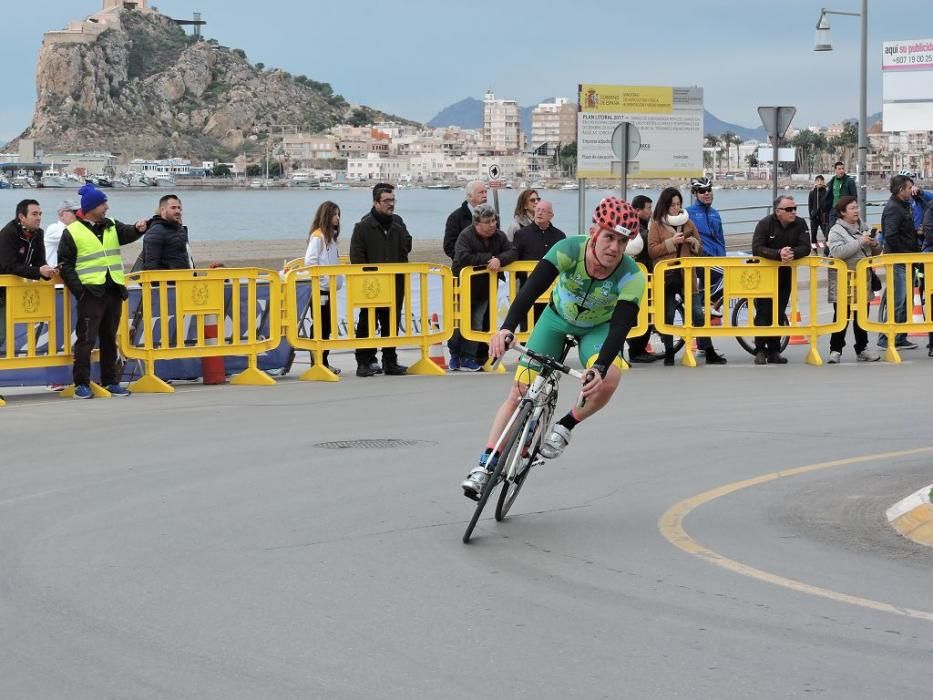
87, 31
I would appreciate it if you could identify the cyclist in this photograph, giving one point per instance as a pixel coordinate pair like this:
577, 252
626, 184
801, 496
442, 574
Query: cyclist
596, 300
709, 225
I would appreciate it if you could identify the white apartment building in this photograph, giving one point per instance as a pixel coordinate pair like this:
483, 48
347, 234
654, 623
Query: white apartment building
153, 168
501, 126
554, 123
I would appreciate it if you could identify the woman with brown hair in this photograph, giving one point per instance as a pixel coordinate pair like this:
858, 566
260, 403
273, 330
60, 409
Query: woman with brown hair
671, 235
322, 250
524, 211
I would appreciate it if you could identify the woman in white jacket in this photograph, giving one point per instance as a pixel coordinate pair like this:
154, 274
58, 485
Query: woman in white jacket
322, 250
849, 241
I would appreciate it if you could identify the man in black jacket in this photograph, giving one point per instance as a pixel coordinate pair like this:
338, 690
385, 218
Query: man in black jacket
638, 346
380, 237
462, 216
100, 303
22, 251
532, 242
459, 219
900, 236
166, 244
817, 207
480, 244
780, 236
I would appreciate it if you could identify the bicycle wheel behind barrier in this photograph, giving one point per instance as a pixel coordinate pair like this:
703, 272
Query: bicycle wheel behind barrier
740, 319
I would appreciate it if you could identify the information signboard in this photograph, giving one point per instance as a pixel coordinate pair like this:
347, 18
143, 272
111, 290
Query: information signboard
669, 120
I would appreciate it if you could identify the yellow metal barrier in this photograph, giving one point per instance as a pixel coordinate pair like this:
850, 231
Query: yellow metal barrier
884, 267
751, 279
368, 288
33, 304
469, 277
176, 302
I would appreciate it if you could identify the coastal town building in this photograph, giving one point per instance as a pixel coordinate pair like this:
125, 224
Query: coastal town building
169, 167
554, 123
80, 163
304, 149
501, 125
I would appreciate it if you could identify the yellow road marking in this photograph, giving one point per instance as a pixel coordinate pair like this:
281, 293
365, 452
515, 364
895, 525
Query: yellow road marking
671, 526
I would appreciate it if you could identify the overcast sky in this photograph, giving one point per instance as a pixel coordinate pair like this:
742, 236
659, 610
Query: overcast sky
415, 57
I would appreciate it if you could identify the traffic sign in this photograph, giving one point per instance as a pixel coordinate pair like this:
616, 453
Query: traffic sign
494, 171
776, 119
496, 184
634, 141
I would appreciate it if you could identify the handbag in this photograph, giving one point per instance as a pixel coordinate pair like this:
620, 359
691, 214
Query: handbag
875, 280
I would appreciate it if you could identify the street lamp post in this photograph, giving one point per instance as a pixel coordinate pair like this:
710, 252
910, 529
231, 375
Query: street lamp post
823, 44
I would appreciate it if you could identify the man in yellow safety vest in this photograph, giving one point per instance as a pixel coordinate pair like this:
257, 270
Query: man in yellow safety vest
91, 267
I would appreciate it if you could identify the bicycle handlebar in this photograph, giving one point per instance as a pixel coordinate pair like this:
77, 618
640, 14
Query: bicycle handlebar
544, 360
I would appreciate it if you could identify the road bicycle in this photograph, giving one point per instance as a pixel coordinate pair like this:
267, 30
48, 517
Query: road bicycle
520, 443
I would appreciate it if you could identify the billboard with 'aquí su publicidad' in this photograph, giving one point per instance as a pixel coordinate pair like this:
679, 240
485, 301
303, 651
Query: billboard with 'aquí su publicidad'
907, 83
669, 121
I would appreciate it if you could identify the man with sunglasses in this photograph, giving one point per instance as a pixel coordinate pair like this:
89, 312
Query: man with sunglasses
781, 236
596, 297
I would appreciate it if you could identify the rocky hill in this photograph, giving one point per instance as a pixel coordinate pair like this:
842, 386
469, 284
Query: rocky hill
144, 87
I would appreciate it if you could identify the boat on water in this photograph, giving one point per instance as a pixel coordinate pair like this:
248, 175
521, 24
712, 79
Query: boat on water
164, 180
54, 179
570, 186
22, 182
4, 183
438, 186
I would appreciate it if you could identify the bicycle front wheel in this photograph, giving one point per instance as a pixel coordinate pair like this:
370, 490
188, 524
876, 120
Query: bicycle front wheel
509, 448
525, 454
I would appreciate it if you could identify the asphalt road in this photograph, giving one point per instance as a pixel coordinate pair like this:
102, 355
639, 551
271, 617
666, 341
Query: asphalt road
202, 545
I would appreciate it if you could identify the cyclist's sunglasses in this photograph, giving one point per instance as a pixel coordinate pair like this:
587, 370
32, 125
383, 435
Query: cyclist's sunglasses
703, 190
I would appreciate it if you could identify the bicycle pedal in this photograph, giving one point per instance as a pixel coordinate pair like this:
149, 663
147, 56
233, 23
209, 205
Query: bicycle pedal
537, 462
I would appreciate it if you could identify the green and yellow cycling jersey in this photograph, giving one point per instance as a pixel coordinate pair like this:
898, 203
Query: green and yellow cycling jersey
583, 301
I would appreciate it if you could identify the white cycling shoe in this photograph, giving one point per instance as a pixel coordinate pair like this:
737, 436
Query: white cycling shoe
475, 482
556, 442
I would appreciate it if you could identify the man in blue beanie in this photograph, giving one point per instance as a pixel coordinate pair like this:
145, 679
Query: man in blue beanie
91, 267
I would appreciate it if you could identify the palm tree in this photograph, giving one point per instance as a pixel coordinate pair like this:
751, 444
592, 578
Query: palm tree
712, 141
737, 140
728, 138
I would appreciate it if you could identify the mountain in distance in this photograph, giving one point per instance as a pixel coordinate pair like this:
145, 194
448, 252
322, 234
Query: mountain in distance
468, 114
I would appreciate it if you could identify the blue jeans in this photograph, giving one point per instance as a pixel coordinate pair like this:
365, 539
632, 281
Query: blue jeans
900, 305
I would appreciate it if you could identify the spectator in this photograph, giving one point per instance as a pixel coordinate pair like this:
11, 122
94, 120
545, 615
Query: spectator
481, 243
53, 234
460, 219
900, 236
816, 205
838, 186
709, 225
927, 229
381, 237
462, 216
781, 236
638, 346
165, 246
533, 241
322, 250
22, 251
91, 266
849, 240
919, 201
524, 212
672, 235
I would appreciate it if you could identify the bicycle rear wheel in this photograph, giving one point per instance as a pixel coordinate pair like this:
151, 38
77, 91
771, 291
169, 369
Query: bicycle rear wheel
511, 489
740, 319
509, 446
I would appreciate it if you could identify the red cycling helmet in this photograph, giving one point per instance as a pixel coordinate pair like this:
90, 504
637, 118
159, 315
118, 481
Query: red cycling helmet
618, 216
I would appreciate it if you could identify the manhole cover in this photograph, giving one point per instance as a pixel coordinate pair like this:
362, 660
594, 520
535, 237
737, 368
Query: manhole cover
370, 444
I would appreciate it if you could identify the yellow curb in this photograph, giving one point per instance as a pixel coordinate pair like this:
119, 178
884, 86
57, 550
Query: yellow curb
913, 517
